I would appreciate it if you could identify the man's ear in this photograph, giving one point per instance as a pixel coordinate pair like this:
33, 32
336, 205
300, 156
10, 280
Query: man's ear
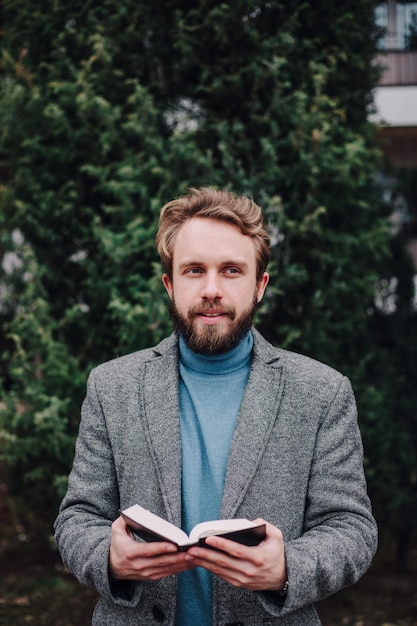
167, 284
261, 286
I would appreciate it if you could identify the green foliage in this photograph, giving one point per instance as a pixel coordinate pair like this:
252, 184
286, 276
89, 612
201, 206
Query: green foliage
107, 111
39, 413
387, 381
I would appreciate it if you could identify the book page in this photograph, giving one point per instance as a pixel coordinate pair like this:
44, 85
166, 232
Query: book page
156, 524
218, 527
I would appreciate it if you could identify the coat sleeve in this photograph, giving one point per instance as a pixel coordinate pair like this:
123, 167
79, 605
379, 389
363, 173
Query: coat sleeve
339, 537
83, 525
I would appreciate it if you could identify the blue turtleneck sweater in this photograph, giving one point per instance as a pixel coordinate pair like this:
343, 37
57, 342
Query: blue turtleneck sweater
211, 390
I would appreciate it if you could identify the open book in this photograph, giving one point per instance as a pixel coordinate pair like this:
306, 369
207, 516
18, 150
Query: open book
150, 527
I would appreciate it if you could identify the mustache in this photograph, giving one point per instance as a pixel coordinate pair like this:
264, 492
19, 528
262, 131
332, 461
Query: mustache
209, 307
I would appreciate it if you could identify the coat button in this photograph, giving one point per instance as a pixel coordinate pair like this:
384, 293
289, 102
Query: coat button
158, 613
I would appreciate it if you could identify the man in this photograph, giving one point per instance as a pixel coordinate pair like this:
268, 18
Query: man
215, 422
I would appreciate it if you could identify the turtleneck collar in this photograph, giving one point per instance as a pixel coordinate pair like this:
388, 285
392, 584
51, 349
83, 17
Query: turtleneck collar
217, 364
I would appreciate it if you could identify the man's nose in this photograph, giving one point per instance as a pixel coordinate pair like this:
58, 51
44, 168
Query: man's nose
211, 288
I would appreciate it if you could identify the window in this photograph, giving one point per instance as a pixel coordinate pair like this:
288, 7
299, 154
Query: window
398, 24
381, 20
407, 25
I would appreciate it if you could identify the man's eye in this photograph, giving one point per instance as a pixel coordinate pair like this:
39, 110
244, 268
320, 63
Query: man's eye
232, 270
194, 270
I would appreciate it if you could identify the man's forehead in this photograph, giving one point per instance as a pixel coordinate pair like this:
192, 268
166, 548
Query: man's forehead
206, 240
198, 230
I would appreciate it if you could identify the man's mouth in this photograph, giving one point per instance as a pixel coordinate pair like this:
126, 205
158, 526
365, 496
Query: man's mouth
211, 317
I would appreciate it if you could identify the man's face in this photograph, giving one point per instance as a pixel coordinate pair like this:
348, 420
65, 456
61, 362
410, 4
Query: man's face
213, 291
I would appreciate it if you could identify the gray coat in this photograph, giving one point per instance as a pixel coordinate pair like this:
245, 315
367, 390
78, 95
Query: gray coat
295, 460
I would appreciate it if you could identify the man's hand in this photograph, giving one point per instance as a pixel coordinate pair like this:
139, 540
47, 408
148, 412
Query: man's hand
259, 568
133, 560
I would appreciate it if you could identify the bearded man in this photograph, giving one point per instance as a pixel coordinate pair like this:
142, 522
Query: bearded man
215, 423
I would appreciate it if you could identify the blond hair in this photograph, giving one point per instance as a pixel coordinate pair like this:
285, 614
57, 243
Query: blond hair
218, 205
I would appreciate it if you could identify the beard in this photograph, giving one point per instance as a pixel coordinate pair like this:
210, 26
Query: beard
212, 339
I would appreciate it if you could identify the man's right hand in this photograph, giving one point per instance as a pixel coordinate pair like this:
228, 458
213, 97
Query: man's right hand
133, 560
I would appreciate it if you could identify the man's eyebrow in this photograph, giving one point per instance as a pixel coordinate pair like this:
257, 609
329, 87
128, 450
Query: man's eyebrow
236, 262
230, 263
185, 264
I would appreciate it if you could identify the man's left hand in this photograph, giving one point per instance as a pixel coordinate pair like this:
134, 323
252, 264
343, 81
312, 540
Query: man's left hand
259, 568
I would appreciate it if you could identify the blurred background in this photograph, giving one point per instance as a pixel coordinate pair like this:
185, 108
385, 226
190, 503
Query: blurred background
110, 109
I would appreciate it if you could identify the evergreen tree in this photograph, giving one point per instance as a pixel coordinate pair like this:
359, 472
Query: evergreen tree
108, 110
387, 383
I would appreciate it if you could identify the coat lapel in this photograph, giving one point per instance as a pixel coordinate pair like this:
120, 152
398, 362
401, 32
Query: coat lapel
258, 413
161, 410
